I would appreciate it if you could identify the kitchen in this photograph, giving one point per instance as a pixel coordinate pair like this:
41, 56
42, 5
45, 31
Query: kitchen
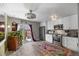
69, 23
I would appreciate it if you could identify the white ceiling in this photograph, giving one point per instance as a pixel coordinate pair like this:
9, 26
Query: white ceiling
42, 10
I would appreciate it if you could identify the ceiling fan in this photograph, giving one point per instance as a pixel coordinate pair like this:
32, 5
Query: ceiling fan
30, 15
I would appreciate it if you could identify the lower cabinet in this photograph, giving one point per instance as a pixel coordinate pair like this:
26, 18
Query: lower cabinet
49, 38
64, 41
70, 42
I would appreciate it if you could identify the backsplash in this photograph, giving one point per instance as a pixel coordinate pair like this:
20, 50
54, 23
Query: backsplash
72, 33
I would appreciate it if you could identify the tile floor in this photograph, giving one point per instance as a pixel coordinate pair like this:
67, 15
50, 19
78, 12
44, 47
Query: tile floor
26, 50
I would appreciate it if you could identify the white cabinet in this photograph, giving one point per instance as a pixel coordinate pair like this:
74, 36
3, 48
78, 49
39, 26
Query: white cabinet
70, 42
74, 22
64, 41
49, 38
50, 25
70, 22
65, 22
74, 44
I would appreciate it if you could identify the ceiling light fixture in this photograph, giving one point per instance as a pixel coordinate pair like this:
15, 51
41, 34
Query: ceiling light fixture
54, 17
30, 15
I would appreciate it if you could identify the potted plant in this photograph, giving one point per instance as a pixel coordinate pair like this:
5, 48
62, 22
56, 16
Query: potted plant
14, 40
19, 34
1, 36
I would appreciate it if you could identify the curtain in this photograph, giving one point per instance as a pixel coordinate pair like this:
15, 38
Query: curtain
32, 33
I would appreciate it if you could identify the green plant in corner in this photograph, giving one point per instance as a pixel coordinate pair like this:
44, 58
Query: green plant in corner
18, 34
1, 36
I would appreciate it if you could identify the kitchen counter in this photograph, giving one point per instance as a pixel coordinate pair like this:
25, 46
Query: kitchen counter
70, 36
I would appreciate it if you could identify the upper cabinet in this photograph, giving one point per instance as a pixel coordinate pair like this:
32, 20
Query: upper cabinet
70, 22
50, 25
74, 22
65, 22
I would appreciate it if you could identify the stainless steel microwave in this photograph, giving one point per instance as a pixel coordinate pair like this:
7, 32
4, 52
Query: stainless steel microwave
58, 27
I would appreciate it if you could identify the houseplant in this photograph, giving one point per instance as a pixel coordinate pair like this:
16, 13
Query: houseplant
19, 34
14, 40
1, 36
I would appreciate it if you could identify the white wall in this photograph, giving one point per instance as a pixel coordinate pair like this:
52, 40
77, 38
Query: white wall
2, 18
43, 23
13, 9
35, 29
15, 20
10, 20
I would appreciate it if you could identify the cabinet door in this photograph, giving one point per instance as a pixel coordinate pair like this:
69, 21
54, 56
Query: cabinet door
65, 23
49, 38
49, 25
70, 42
73, 44
74, 22
64, 41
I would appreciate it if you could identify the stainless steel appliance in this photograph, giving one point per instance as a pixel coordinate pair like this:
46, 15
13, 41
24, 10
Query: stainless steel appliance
57, 37
58, 27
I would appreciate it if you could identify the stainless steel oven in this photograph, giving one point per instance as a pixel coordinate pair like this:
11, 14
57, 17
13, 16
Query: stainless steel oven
57, 38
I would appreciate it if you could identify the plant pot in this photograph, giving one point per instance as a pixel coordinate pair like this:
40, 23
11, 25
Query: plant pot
13, 43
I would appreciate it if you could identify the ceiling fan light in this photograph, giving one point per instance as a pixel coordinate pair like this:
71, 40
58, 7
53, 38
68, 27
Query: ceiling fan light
30, 15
